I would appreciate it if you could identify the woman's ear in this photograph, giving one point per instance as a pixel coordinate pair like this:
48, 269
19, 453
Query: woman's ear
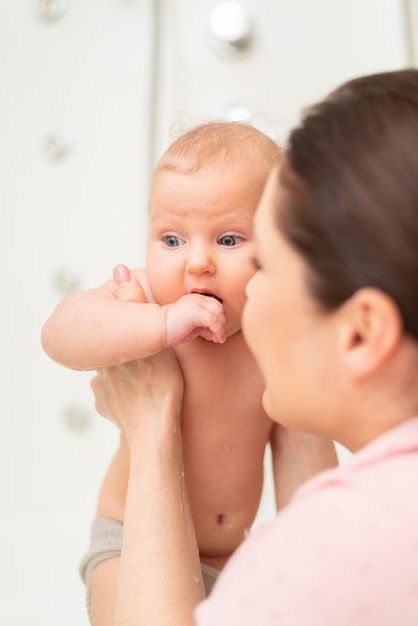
371, 330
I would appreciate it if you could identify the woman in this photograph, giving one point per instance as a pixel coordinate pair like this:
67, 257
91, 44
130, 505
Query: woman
332, 319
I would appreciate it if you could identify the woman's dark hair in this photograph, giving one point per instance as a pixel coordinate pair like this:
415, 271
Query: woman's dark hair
350, 181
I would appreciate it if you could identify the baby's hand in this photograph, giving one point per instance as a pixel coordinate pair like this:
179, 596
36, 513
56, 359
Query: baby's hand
127, 287
194, 315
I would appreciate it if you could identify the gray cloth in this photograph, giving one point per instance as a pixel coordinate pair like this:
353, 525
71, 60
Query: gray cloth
210, 574
106, 543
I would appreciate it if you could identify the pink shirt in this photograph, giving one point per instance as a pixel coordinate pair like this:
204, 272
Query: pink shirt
344, 552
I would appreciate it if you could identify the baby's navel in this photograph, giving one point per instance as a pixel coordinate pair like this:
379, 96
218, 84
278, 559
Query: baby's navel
221, 519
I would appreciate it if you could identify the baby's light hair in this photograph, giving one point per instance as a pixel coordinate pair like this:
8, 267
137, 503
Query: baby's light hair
236, 143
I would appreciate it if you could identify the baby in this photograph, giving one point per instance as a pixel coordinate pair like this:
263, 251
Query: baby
199, 258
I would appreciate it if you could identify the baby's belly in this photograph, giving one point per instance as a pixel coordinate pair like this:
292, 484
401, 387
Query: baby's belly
224, 504
220, 535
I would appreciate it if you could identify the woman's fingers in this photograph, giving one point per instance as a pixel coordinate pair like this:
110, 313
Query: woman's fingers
139, 389
127, 287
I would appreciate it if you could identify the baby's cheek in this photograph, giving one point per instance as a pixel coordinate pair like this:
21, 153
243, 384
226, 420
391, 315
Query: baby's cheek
233, 318
163, 285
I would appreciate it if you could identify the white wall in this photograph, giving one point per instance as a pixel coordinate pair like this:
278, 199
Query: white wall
88, 85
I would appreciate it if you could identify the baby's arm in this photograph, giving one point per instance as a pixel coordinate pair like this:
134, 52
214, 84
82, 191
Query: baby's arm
102, 583
296, 458
114, 323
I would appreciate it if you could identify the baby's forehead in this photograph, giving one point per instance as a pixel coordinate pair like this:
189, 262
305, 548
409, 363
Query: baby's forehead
236, 175
219, 213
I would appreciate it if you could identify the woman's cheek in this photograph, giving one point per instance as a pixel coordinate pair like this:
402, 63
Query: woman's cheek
248, 323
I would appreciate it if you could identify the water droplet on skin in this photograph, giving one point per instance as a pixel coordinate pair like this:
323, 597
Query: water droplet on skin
160, 573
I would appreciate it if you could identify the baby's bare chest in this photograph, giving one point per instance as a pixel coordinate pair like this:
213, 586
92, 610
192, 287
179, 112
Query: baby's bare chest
222, 402
224, 426
225, 433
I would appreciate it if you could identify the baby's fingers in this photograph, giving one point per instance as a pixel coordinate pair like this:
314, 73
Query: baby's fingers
216, 330
211, 321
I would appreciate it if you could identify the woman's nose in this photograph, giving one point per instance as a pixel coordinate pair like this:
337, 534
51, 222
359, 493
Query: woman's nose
200, 260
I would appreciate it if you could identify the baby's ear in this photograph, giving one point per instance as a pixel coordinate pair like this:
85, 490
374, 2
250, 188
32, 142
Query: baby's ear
127, 286
372, 330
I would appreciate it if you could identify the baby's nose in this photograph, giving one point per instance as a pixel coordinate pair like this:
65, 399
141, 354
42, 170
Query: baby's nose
200, 259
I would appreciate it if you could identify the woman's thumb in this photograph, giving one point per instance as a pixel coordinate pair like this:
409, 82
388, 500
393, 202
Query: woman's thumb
127, 287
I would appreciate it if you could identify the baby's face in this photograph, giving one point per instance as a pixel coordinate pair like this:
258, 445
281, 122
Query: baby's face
200, 236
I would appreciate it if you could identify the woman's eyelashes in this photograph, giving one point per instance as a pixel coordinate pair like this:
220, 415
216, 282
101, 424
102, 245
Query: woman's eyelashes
256, 264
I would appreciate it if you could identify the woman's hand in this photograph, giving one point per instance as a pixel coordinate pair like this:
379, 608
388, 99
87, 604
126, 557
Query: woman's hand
140, 393
126, 286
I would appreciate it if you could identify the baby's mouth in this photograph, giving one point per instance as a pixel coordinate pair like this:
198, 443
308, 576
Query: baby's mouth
212, 295
208, 295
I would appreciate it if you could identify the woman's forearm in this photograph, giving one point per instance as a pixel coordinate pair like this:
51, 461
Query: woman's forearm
160, 580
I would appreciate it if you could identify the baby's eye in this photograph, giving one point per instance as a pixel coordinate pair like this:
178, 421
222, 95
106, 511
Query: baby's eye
171, 241
230, 240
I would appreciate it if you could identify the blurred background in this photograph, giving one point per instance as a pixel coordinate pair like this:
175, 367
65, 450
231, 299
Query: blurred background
90, 92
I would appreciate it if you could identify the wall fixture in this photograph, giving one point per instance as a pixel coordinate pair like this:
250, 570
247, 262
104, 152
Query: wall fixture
77, 418
247, 113
50, 10
230, 29
66, 282
58, 145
